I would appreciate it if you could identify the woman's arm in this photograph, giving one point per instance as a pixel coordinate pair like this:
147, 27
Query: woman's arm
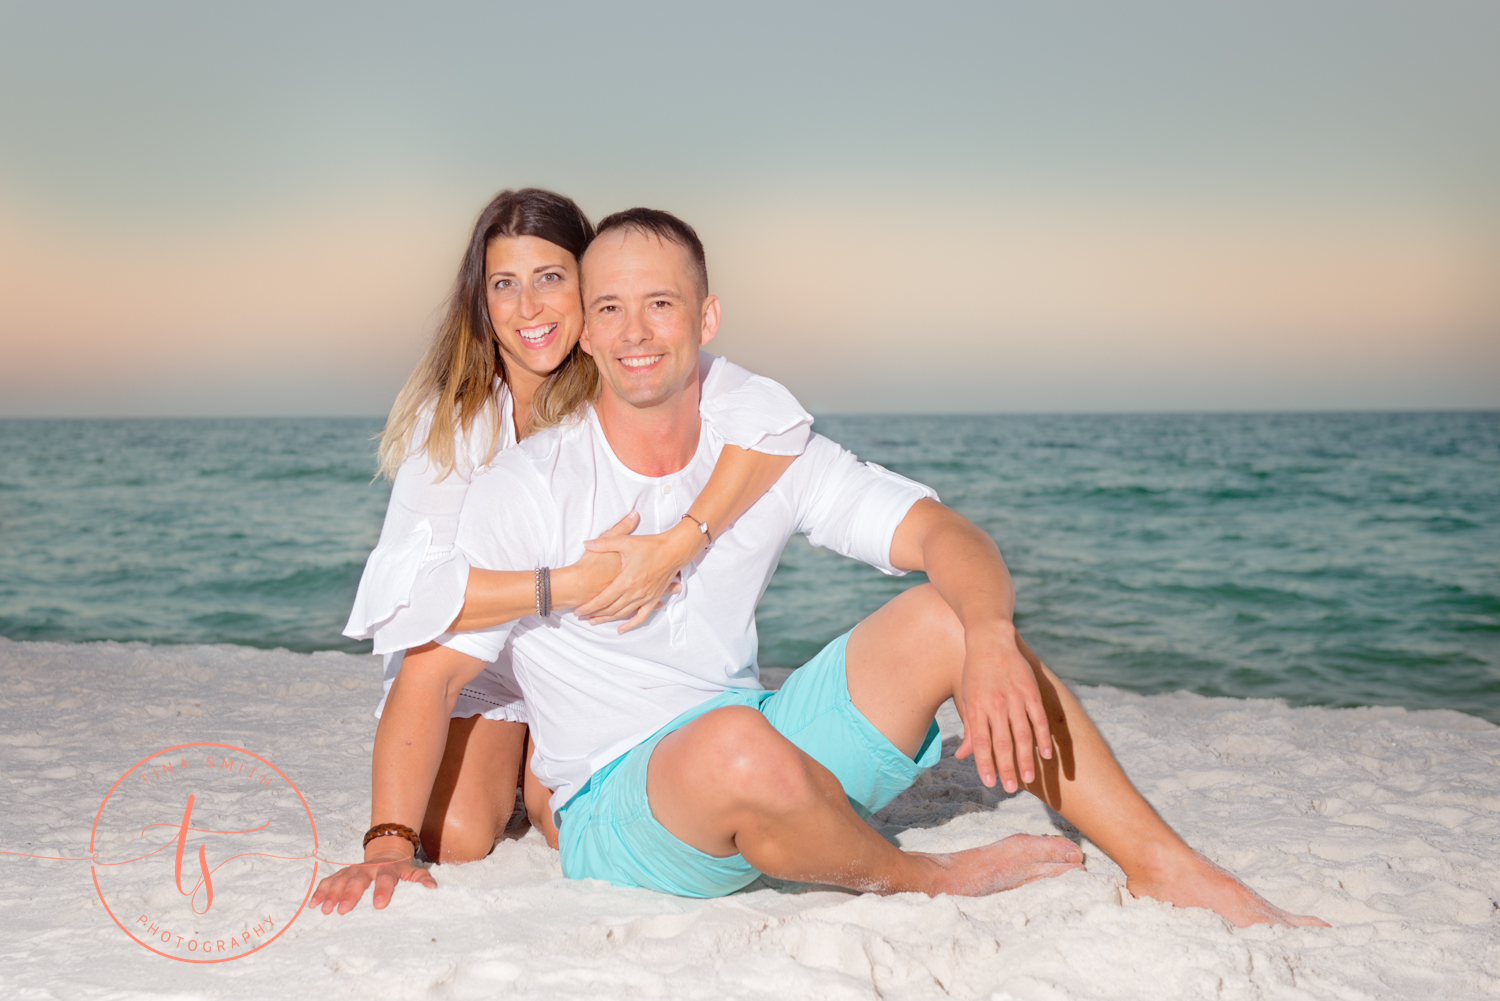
409, 745
495, 596
649, 562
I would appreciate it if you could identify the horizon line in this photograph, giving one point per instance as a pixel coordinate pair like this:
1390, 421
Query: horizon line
818, 413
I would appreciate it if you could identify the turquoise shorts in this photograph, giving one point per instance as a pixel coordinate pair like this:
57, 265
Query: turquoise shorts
607, 830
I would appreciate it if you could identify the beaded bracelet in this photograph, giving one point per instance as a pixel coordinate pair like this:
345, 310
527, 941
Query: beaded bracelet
544, 591
385, 830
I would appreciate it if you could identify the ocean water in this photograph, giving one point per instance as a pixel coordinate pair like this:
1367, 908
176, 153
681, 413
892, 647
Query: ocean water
1334, 559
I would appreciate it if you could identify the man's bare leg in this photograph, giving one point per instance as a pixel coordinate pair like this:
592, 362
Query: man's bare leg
729, 783
904, 661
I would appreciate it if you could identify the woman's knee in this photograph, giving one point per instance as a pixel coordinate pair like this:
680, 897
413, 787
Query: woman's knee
459, 839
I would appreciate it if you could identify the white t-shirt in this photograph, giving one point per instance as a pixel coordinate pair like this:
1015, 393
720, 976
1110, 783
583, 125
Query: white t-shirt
592, 693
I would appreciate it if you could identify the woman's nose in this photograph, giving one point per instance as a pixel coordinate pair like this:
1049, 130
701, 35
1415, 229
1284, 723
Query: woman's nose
528, 304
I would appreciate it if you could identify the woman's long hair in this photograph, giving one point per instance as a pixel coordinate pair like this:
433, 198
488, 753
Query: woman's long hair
455, 380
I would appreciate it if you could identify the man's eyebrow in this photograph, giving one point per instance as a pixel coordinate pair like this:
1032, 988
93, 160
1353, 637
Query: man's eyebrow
606, 297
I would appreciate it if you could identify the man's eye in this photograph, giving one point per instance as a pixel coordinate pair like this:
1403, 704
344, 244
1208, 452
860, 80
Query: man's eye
662, 303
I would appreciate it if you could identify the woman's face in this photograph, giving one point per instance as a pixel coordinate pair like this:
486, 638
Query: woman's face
531, 290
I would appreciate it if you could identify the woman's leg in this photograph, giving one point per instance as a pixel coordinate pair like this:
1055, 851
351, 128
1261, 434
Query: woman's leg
474, 793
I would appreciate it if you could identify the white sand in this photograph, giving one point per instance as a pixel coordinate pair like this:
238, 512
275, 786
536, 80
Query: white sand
1383, 822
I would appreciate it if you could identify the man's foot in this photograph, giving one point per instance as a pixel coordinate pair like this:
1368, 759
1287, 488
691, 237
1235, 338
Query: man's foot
1193, 881
1004, 865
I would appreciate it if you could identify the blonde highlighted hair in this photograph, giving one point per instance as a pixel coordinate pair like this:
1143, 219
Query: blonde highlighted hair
454, 383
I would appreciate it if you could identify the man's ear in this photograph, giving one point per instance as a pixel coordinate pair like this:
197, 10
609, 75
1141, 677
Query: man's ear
583, 340
710, 320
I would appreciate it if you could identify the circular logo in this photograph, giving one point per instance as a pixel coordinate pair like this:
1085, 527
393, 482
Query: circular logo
204, 852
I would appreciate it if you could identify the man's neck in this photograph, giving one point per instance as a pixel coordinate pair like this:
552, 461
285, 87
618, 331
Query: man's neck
657, 440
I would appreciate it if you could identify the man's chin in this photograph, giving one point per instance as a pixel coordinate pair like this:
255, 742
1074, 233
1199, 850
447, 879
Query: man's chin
640, 392
639, 397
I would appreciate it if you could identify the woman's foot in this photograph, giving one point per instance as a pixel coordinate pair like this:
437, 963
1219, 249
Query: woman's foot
1190, 880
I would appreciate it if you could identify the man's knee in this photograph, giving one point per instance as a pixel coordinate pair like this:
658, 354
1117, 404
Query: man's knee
738, 754
931, 617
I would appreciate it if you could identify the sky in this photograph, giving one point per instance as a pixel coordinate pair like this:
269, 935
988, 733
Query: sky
258, 209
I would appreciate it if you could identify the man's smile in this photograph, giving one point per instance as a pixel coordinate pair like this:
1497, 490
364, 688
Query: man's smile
641, 361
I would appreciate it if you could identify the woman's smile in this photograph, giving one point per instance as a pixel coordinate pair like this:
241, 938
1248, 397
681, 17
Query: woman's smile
539, 336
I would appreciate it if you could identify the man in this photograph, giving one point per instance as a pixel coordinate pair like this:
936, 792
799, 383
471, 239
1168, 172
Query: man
672, 768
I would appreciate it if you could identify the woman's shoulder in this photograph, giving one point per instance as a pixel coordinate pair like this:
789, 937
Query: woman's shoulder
718, 375
751, 411
490, 432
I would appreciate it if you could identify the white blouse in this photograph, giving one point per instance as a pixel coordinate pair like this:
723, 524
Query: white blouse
746, 410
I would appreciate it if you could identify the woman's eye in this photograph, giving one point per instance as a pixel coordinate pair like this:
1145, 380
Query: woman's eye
551, 276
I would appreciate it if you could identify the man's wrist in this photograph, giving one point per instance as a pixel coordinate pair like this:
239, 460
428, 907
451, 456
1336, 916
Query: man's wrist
993, 631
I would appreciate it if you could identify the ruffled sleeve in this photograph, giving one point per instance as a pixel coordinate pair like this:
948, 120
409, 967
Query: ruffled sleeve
752, 411
415, 554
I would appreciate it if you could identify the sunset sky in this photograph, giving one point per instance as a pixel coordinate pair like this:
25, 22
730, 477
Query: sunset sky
258, 209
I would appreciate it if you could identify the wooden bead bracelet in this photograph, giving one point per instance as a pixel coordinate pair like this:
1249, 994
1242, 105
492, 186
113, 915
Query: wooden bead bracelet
400, 830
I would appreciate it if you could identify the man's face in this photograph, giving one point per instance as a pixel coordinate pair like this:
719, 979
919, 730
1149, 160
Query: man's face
643, 317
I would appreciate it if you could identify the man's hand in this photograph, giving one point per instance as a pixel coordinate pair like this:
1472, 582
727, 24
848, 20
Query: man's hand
1004, 720
384, 866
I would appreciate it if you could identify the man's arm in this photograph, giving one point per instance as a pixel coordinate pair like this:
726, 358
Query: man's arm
1004, 720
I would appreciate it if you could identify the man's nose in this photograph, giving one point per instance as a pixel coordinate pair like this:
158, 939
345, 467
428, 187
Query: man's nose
635, 330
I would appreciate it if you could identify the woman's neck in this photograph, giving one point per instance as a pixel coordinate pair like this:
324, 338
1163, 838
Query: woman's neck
523, 387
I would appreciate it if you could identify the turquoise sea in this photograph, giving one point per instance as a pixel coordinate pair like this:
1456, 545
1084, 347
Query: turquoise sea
1333, 559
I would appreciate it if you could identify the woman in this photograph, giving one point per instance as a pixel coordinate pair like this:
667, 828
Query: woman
504, 364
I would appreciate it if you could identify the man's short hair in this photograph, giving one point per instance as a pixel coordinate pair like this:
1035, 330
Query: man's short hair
665, 226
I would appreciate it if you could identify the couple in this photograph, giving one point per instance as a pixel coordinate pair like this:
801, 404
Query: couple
670, 767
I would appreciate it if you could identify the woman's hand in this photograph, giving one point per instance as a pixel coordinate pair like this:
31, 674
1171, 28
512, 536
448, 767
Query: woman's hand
648, 566
580, 582
385, 865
